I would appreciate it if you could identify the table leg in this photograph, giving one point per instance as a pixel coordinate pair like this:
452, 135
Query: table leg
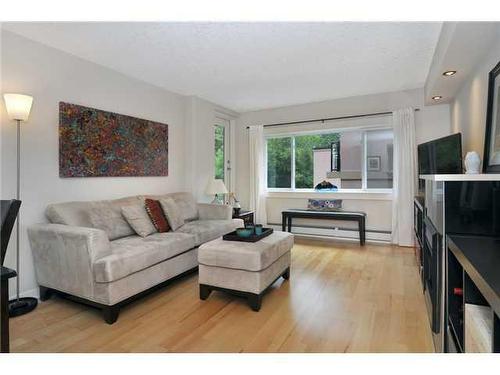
362, 231
289, 223
283, 222
5, 316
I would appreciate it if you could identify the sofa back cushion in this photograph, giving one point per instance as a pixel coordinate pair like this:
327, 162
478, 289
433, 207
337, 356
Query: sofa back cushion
105, 215
69, 213
184, 200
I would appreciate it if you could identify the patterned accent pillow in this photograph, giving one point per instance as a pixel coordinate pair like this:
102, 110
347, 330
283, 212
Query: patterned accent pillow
324, 204
155, 212
172, 212
138, 218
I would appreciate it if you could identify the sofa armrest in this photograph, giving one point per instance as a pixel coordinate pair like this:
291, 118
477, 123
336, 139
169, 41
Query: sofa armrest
64, 256
208, 211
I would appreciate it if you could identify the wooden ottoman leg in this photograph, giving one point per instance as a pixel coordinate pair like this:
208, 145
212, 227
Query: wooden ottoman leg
255, 301
205, 291
286, 274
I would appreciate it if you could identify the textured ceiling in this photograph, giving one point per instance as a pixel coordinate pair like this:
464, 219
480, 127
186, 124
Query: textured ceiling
247, 66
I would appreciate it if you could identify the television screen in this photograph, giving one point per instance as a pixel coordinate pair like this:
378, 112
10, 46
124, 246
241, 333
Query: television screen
424, 163
441, 156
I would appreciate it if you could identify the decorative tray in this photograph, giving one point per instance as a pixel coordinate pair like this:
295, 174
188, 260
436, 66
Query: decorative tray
253, 238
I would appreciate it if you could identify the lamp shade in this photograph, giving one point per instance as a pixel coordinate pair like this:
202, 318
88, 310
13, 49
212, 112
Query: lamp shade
215, 187
18, 106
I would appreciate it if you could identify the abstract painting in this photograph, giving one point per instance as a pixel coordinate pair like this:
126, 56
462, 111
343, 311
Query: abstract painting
95, 143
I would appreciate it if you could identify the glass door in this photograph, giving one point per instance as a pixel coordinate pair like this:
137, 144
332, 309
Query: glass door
222, 165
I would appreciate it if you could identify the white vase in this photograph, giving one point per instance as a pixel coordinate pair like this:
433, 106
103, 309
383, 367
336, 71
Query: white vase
472, 162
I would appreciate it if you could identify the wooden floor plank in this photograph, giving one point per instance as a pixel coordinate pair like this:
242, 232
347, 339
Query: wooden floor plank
340, 298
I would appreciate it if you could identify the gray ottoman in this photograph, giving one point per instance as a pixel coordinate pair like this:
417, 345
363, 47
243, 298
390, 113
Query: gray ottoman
244, 268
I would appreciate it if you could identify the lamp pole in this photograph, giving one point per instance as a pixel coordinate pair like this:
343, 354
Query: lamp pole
18, 195
18, 108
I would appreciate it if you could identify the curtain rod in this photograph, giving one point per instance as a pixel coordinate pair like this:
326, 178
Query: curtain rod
328, 119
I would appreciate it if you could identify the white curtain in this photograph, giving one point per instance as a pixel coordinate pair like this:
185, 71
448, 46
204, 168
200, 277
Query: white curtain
258, 176
405, 176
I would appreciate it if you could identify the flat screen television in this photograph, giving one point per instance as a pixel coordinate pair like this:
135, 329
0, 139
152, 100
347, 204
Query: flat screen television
441, 156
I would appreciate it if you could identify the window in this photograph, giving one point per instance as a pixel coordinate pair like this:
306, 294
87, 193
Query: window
219, 152
379, 159
279, 162
349, 159
313, 158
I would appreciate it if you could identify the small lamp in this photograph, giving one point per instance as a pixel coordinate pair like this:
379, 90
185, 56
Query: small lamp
215, 187
18, 109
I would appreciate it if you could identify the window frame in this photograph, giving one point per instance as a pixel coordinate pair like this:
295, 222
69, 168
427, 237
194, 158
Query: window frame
292, 135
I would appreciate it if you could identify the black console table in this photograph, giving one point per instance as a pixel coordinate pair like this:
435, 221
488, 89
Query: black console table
459, 205
6, 274
473, 279
359, 217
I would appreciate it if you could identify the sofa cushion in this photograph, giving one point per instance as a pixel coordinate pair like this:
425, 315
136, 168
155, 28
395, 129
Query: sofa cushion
250, 256
138, 218
172, 212
185, 201
207, 230
134, 253
107, 215
69, 213
78, 213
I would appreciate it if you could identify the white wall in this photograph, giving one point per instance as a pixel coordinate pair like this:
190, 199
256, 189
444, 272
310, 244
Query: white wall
200, 143
434, 123
377, 207
51, 76
468, 109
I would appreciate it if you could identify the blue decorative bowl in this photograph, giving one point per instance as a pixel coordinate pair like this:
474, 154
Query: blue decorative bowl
244, 232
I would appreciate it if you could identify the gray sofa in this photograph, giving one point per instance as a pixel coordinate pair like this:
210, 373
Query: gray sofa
107, 265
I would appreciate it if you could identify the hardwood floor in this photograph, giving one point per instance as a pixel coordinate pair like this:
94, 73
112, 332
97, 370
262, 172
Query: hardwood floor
340, 298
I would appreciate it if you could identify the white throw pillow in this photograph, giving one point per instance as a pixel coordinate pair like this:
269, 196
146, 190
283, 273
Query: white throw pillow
172, 212
138, 218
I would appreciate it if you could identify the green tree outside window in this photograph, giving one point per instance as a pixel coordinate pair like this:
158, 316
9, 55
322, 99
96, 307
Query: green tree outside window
219, 152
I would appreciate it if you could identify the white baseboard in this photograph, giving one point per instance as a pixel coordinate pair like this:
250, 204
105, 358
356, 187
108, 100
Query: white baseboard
28, 293
348, 235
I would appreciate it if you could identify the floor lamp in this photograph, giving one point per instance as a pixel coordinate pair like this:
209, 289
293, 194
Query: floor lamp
18, 109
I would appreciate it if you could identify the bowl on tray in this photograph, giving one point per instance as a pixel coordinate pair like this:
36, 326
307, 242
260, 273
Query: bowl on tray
244, 232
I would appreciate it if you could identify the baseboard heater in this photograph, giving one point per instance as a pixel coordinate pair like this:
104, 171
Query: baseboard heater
336, 232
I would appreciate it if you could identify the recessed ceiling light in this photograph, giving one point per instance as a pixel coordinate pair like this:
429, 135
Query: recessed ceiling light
437, 97
449, 73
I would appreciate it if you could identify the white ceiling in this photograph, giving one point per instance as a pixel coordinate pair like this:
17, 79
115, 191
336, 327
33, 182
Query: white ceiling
248, 66
461, 47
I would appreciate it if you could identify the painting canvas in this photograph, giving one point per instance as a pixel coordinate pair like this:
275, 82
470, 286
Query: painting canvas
95, 143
